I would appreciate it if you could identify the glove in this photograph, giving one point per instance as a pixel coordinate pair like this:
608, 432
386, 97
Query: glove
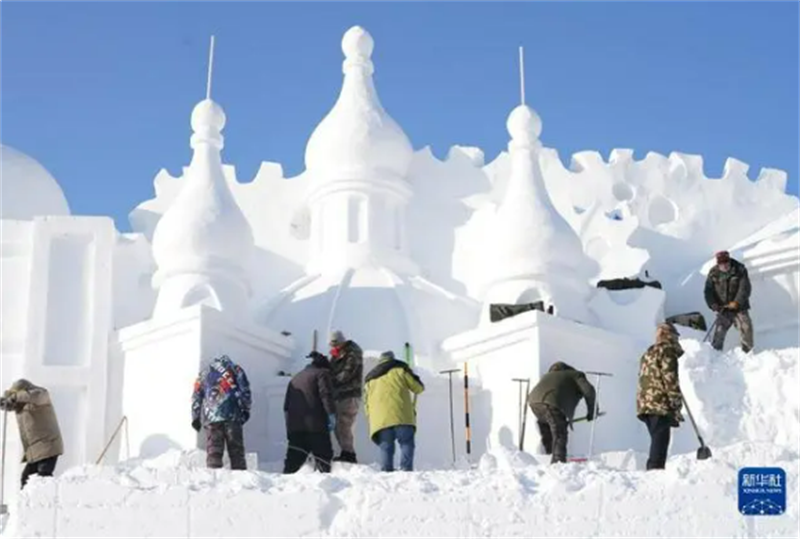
590, 415
675, 419
9, 402
331, 422
245, 416
196, 425
733, 306
716, 308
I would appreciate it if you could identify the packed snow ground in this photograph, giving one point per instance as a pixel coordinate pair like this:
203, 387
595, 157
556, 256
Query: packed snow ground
747, 407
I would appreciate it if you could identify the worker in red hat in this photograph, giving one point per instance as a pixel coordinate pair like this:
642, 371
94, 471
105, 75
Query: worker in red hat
727, 293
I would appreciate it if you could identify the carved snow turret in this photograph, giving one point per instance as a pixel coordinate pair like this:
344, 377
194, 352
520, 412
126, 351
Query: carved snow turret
358, 158
532, 252
203, 243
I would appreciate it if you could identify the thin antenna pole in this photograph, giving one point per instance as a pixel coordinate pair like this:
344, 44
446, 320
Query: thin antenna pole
210, 68
521, 75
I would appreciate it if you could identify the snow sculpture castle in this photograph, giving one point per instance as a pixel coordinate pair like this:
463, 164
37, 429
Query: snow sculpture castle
390, 245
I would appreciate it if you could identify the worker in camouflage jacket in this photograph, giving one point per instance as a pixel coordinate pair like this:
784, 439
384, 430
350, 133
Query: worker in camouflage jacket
38, 428
221, 404
658, 397
553, 401
347, 371
727, 293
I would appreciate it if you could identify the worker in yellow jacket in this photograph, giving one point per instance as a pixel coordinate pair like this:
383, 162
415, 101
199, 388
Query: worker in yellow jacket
391, 410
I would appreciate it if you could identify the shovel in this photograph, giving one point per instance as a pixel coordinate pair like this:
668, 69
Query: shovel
711, 329
703, 452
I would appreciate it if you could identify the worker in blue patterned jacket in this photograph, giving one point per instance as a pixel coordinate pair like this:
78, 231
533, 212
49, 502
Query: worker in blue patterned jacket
221, 404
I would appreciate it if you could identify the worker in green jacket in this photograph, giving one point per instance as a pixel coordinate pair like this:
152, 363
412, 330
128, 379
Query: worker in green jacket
391, 411
553, 401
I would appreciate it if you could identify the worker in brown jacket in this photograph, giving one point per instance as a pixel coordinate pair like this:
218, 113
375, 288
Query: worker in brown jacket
38, 427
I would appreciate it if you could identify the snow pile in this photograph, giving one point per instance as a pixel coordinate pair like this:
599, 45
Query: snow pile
507, 494
737, 397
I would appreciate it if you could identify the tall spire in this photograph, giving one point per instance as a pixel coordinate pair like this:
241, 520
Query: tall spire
210, 68
203, 243
521, 75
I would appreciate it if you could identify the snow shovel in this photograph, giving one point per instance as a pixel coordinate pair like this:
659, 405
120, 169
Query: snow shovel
703, 452
3, 506
711, 329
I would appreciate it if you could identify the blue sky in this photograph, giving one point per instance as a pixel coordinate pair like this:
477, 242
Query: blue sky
101, 93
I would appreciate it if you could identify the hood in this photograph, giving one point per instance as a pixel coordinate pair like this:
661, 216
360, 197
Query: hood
560, 366
223, 361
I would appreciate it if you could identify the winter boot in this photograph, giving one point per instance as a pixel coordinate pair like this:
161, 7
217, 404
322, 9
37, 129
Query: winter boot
347, 456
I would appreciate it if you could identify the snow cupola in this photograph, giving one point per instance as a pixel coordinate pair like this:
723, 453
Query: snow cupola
27, 189
203, 243
358, 138
535, 254
357, 159
360, 276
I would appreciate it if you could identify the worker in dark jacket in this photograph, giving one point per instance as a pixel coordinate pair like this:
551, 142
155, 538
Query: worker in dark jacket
727, 293
310, 416
553, 402
38, 428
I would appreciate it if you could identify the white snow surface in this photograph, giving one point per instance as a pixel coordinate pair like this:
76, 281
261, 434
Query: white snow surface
508, 494
746, 406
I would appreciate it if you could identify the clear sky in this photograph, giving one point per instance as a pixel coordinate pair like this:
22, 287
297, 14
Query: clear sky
101, 93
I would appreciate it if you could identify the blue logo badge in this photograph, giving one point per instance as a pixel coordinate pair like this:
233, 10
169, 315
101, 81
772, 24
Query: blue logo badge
762, 491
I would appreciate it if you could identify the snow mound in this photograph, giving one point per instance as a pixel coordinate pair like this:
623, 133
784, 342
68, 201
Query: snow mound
506, 494
742, 397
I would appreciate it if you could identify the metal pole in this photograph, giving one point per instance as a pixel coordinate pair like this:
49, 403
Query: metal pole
594, 413
524, 415
452, 423
466, 409
3, 506
122, 421
522, 410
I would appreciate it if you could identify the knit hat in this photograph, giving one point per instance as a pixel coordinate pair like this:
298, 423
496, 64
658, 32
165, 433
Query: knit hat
722, 257
21, 385
387, 356
337, 337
